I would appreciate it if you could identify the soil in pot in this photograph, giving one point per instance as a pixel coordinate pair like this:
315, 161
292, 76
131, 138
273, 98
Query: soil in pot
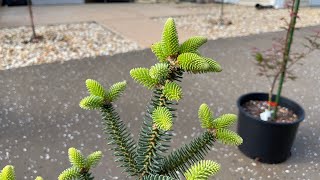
255, 108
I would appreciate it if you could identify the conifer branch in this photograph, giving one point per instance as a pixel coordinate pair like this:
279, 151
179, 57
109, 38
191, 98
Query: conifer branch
152, 140
181, 159
81, 165
118, 136
202, 170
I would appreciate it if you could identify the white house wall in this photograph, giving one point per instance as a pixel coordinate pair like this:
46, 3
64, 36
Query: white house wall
276, 3
314, 2
41, 2
254, 2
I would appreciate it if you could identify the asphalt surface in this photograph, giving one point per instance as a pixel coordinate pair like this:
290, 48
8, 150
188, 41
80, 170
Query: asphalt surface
40, 117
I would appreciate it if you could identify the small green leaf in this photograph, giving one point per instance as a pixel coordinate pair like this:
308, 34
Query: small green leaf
224, 121
95, 88
116, 90
159, 71
91, 102
192, 44
72, 173
202, 170
142, 76
7, 173
76, 158
93, 159
162, 117
205, 116
172, 91
259, 57
228, 137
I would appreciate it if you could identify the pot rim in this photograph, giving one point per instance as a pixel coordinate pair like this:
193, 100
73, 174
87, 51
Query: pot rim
300, 118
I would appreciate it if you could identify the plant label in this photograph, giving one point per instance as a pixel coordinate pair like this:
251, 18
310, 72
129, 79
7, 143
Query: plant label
265, 115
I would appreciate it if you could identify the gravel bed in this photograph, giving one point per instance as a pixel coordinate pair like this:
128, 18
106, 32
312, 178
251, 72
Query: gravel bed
245, 20
61, 43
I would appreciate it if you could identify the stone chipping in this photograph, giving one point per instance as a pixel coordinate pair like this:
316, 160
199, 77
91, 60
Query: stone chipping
245, 20
61, 42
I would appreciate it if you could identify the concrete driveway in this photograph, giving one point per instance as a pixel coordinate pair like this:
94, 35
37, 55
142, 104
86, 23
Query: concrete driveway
40, 117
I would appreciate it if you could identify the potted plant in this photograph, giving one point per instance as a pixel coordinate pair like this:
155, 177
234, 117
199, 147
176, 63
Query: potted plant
149, 158
268, 123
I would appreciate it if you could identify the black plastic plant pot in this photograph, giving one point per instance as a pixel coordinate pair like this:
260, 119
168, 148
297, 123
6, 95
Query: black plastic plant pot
266, 141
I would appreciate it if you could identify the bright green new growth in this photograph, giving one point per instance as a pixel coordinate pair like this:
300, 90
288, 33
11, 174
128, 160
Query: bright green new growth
157, 49
70, 174
7, 173
214, 66
228, 137
159, 71
209, 122
76, 158
142, 76
162, 117
116, 90
93, 159
205, 116
95, 88
224, 121
99, 96
91, 102
218, 125
192, 62
170, 42
80, 165
172, 91
202, 170
39, 178
192, 44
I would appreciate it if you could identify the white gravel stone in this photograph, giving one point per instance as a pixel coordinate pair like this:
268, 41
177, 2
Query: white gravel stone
245, 20
61, 43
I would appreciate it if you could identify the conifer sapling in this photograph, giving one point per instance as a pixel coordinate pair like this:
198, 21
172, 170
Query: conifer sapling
149, 158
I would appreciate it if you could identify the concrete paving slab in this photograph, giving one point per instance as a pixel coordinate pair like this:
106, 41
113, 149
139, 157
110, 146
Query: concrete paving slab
144, 31
40, 117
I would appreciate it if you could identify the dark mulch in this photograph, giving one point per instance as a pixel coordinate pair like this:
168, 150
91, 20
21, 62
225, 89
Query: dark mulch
255, 108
